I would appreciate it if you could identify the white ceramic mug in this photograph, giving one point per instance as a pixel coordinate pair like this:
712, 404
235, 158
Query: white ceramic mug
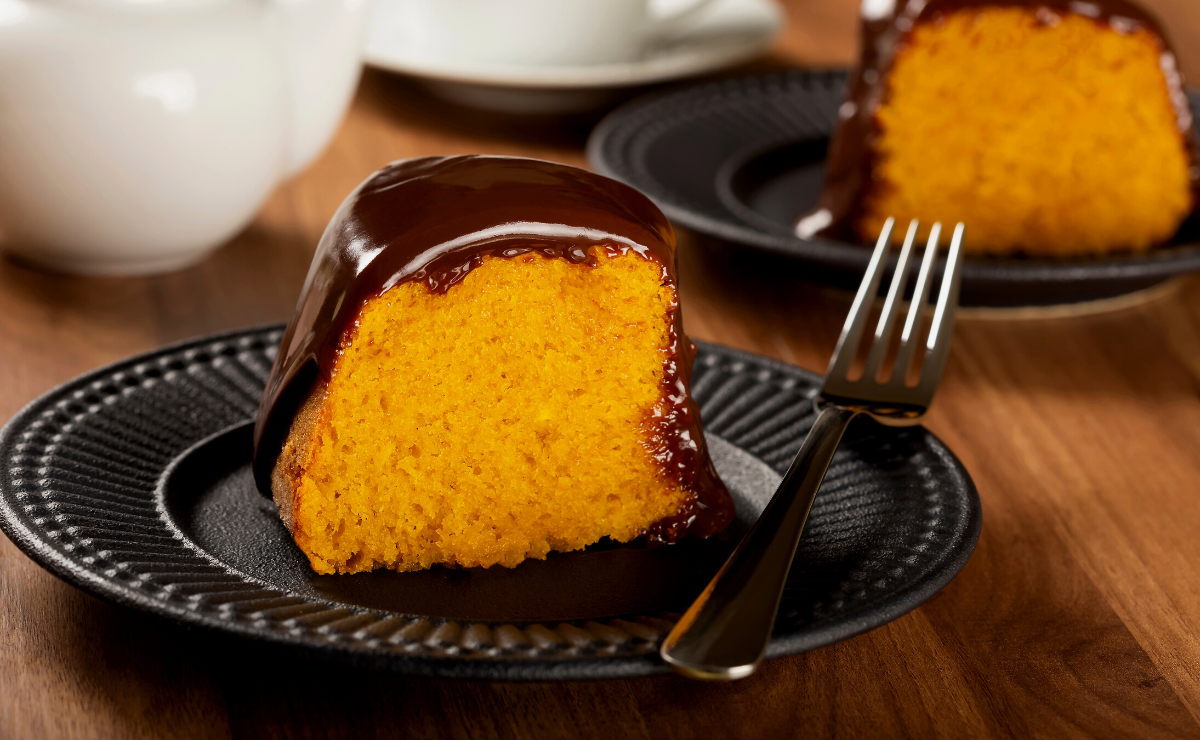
542, 32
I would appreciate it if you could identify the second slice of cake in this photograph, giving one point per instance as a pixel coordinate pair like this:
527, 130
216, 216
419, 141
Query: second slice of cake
1048, 127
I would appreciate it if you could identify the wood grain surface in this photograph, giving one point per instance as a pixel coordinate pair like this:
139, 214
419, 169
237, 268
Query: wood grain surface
1078, 616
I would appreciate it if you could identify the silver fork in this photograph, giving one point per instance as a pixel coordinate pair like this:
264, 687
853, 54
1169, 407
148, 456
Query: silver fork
724, 635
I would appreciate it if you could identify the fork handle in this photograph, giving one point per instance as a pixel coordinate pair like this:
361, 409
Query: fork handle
724, 634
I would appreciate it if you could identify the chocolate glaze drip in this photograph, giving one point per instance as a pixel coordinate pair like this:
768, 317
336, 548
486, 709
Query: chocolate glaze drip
433, 220
884, 31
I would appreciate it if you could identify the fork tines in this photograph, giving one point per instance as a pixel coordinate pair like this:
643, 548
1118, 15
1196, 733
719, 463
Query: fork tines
937, 345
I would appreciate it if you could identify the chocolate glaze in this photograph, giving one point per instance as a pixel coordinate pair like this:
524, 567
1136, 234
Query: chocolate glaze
884, 31
433, 220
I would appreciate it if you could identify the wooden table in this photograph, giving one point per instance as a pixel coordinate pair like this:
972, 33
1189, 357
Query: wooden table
1079, 614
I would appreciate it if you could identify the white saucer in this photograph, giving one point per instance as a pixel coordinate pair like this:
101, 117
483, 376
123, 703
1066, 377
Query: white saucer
726, 33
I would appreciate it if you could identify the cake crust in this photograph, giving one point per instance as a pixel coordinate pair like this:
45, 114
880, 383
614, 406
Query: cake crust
297, 448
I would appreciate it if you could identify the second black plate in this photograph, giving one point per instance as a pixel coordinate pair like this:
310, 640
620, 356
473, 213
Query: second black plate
741, 160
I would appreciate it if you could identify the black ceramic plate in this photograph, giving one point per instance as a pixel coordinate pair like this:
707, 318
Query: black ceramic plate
133, 483
741, 160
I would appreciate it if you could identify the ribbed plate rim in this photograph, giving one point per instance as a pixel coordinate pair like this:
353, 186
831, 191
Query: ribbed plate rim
13, 523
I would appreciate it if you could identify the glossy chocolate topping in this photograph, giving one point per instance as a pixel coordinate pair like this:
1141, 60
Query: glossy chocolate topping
433, 220
885, 28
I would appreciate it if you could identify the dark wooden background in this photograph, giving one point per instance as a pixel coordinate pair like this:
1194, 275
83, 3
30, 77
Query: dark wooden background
1079, 614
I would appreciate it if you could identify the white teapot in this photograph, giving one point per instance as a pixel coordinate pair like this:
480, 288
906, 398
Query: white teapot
138, 135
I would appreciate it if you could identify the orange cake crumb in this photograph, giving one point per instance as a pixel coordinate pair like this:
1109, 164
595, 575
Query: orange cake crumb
508, 417
1047, 135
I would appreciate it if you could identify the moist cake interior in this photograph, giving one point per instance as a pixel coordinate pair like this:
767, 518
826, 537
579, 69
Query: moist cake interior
514, 415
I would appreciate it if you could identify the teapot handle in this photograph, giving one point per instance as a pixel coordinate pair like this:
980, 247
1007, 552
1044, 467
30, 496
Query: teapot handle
322, 52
